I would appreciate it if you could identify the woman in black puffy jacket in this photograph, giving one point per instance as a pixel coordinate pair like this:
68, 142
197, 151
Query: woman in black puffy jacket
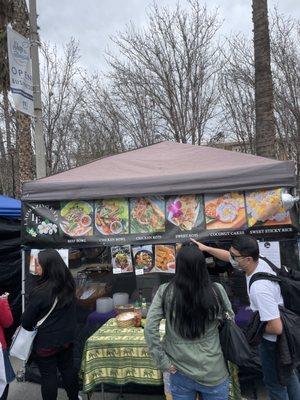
53, 344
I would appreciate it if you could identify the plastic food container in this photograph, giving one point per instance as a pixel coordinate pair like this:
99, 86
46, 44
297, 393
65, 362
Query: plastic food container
120, 299
104, 305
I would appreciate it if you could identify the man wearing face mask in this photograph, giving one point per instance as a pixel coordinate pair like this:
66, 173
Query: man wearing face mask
265, 297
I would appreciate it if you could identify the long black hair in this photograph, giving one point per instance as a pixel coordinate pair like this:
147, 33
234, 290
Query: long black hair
56, 279
192, 300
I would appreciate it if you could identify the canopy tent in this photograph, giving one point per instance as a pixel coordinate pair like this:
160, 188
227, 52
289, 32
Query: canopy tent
10, 256
163, 168
10, 207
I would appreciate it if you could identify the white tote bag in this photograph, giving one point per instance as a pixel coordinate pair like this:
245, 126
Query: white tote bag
22, 340
3, 380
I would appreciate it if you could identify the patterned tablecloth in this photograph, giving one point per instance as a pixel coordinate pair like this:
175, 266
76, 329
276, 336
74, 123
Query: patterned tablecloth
119, 355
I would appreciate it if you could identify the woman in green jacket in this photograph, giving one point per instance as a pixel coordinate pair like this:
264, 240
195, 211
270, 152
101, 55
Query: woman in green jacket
190, 349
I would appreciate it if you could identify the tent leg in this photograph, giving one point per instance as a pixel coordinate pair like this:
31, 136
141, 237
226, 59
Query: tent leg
23, 304
23, 280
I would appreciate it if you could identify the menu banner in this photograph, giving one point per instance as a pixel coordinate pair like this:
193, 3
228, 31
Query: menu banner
160, 220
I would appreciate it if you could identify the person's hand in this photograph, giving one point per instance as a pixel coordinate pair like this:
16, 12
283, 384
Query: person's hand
172, 369
201, 246
4, 295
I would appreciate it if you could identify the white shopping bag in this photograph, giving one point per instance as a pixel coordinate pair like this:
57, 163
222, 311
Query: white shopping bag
23, 340
3, 381
22, 343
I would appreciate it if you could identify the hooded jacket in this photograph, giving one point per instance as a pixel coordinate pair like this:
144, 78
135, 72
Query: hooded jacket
287, 345
6, 320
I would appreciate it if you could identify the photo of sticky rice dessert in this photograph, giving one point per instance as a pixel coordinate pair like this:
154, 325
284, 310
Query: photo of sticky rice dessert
264, 207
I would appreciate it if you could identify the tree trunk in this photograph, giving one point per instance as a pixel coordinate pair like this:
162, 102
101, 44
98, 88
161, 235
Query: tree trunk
265, 122
9, 170
6, 118
23, 139
24, 149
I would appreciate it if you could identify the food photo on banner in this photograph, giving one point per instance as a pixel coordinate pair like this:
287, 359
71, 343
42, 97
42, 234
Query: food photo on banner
147, 215
112, 216
185, 212
265, 208
225, 211
165, 258
121, 259
76, 218
143, 258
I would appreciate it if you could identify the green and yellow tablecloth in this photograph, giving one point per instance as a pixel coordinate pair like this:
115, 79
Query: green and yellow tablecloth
119, 355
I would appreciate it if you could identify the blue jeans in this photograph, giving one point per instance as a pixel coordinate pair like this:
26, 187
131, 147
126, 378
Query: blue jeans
275, 390
184, 388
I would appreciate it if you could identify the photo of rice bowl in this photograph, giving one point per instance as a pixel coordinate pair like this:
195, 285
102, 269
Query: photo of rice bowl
76, 218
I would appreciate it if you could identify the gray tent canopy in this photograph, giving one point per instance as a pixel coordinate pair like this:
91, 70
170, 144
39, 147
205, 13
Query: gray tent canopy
163, 168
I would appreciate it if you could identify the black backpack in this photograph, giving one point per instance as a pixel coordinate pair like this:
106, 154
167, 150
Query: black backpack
289, 282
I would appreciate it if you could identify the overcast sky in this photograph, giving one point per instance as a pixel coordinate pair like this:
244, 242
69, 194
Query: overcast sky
92, 22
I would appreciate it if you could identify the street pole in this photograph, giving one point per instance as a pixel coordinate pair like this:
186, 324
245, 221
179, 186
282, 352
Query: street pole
40, 149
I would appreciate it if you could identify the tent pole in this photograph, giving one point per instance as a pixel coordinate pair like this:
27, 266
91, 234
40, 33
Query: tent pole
21, 373
23, 280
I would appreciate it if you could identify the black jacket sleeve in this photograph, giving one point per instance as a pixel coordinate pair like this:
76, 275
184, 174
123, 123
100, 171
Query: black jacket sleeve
288, 345
33, 312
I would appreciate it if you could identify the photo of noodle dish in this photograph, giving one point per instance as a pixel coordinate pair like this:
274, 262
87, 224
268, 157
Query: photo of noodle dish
225, 211
76, 218
121, 259
185, 211
111, 216
147, 214
143, 258
264, 207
